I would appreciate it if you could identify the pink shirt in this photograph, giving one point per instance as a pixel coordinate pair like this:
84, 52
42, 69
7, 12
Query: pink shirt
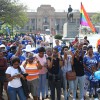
42, 62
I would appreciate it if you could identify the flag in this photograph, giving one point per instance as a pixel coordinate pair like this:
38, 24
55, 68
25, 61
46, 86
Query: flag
85, 20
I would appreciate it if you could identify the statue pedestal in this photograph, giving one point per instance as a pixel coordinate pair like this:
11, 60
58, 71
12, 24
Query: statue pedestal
70, 30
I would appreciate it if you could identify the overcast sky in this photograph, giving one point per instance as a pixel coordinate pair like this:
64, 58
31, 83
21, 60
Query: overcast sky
90, 5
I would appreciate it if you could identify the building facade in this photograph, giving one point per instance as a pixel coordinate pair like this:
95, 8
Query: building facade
47, 18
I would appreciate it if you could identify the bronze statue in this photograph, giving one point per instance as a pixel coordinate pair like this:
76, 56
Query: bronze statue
70, 14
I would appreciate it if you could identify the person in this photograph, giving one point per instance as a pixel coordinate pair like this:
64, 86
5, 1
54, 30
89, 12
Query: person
31, 67
3, 67
27, 50
42, 72
19, 53
86, 41
90, 62
54, 73
68, 62
70, 14
38, 40
13, 76
48, 54
97, 54
58, 46
70, 9
51, 41
79, 69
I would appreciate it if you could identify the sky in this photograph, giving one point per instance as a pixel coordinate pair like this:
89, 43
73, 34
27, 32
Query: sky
89, 5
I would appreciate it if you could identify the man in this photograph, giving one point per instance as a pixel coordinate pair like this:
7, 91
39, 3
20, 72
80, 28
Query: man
86, 41
58, 46
70, 14
38, 40
3, 66
31, 67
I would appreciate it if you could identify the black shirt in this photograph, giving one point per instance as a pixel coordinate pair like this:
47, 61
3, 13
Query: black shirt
78, 66
55, 66
70, 10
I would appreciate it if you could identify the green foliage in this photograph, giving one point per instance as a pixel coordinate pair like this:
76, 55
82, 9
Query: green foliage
96, 18
58, 36
13, 13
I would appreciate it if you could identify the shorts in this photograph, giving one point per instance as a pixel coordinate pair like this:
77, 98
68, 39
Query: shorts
33, 87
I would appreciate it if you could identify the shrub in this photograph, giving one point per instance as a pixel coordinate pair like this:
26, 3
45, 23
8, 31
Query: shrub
58, 37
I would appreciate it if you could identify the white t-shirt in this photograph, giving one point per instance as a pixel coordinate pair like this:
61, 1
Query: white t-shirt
67, 67
51, 39
15, 83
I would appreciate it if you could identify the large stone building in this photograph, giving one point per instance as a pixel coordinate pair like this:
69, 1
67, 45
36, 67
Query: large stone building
47, 18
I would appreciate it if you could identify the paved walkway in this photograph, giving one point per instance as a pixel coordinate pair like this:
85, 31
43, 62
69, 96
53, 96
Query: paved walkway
62, 97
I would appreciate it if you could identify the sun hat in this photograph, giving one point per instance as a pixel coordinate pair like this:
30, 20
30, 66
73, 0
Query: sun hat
28, 48
2, 46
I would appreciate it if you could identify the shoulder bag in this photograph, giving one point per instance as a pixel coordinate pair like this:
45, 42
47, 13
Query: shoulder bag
70, 75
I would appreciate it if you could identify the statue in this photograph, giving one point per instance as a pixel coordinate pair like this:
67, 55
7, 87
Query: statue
70, 14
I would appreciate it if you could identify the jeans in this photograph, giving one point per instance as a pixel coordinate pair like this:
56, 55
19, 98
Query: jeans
13, 92
71, 87
86, 84
42, 83
57, 85
46, 87
79, 81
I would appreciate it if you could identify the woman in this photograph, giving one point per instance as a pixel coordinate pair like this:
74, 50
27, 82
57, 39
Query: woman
3, 67
90, 64
79, 69
42, 72
54, 74
68, 61
14, 83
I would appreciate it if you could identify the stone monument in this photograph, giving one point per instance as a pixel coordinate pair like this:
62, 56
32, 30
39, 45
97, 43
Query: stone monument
70, 29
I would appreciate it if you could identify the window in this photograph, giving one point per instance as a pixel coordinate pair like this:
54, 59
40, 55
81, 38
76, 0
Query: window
33, 27
57, 21
32, 20
45, 19
27, 27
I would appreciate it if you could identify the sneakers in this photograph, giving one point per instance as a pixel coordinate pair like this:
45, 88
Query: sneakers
74, 99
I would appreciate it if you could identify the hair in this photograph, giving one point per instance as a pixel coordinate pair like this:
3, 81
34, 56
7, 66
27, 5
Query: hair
65, 47
30, 55
56, 49
49, 48
15, 59
41, 49
89, 47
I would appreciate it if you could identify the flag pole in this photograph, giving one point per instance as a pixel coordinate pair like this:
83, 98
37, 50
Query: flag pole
80, 27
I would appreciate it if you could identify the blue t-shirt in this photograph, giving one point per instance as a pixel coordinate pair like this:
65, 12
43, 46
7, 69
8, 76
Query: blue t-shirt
97, 54
25, 42
38, 38
90, 62
73, 50
59, 48
22, 58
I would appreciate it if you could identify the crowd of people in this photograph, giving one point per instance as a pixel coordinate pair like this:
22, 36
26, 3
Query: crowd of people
46, 68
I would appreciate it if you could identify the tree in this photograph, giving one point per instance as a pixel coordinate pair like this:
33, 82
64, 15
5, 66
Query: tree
96, 18
85, 30
13, 13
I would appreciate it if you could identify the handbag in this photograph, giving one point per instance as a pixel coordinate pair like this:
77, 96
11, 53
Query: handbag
24, 83
71, 75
